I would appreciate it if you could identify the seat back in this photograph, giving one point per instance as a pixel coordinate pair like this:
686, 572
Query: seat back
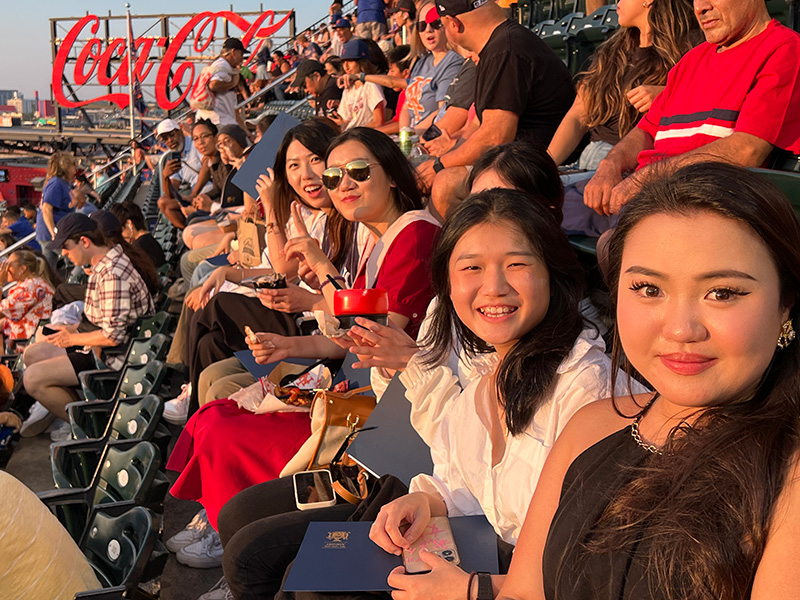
137, 418
145, 349
118, 547
149, 326
140, 380
126, 474
787, 181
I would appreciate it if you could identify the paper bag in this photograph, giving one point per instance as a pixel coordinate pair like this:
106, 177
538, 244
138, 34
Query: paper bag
251, 236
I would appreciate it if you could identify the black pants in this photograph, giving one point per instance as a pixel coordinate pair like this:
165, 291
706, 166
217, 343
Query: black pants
217, 331
261, 530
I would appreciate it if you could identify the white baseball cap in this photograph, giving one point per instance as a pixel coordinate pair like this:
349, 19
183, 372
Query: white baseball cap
166, 126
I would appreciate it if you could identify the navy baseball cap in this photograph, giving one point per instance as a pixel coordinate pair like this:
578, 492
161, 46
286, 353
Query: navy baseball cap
69, 225
355, 49
342, 23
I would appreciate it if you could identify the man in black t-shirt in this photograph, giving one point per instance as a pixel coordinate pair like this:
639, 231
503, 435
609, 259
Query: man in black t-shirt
522, 90
312, 77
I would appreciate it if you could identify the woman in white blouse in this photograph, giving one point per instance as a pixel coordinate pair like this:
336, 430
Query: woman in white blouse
511, 295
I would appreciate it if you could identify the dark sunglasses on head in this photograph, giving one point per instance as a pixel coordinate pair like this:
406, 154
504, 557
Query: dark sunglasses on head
423, 25
357, 170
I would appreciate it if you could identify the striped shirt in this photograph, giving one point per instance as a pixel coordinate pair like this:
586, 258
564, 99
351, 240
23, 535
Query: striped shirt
751, 88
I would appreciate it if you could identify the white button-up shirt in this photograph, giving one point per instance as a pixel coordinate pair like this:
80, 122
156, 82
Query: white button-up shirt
454, 424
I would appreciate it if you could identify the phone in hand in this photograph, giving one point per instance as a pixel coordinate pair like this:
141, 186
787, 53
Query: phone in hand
431, 133
175, 156
48, 330
438, 539
332, 113
313, 489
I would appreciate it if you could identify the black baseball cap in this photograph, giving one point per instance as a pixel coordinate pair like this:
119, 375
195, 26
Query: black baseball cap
305, 69
235, 44
404, 6
452, 8
72, 224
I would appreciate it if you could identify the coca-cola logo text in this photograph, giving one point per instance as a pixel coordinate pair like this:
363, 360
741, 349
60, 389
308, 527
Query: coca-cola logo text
94, 60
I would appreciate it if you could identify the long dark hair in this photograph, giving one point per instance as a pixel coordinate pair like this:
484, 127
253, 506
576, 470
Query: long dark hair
707, 504
111, 234
406, 193
528, 372
611, 76
526, 166
314, 135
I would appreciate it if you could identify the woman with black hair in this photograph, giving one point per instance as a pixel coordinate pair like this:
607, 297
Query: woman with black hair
690, 492
135, 232
511, 295
370, 182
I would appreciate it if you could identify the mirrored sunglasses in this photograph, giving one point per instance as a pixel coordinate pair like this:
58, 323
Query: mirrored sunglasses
357, 170
422, 25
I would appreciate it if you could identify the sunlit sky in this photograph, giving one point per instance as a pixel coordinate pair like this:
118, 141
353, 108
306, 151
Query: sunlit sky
25, 29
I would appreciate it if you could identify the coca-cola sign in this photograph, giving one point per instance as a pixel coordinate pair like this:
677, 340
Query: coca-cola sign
94, 60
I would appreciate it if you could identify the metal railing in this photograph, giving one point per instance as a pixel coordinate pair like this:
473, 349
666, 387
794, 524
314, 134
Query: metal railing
348, 6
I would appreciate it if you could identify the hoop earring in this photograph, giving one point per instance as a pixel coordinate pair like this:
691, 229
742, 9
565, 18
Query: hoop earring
787, 335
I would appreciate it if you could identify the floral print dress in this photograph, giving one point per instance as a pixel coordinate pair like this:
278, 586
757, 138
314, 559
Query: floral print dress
27, 303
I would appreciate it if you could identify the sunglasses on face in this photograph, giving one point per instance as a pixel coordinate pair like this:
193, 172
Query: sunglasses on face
357, 170
422, 25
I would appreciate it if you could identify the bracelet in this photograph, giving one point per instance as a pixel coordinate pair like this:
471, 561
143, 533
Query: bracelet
328, 281
469, 585
271, 226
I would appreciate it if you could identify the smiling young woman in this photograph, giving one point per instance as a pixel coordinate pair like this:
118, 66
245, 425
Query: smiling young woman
691, 492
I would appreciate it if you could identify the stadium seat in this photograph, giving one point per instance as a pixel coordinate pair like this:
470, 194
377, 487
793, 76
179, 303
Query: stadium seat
123, 473
788, 182
123, 550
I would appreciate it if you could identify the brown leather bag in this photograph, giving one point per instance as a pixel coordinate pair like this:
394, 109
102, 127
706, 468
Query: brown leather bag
333, 416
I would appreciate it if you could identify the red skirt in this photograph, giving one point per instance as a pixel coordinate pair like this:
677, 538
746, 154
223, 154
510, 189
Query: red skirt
224, 449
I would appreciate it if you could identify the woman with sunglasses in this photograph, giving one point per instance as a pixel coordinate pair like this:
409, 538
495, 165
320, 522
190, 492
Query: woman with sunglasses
691, 492
431, 74
511, 294
369, 182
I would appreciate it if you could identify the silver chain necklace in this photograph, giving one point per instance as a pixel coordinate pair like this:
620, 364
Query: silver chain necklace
638, 438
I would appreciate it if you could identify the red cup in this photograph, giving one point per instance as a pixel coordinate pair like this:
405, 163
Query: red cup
370, 304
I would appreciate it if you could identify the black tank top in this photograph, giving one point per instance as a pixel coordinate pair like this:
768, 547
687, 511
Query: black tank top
592, 480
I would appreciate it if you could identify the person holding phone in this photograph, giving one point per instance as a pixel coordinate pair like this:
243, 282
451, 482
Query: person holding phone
370, 183
180, 168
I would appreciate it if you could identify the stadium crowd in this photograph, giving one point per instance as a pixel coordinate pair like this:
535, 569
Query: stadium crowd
629, 432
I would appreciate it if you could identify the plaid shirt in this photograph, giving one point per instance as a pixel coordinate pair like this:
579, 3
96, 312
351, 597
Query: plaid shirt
116, 296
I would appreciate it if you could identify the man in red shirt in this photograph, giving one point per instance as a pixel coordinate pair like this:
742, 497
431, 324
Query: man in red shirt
733, 98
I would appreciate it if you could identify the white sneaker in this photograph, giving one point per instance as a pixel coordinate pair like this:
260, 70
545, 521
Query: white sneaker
62, 432
37, 422
177, 409
196, 530
205, 554
220, 591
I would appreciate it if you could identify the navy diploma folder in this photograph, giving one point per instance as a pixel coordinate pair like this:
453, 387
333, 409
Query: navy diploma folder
340, 557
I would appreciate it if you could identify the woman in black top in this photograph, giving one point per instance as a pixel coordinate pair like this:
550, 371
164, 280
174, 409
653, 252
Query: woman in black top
134, 231
692, 492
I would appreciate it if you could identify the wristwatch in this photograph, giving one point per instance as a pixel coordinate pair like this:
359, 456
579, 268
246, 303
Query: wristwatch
362, 77
485, 590
437, 165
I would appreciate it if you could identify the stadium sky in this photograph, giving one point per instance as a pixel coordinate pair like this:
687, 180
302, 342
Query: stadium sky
25, 29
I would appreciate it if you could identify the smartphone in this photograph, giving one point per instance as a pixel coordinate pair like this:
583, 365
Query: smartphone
275, 281
438, 539
313, 489
175, 156
431, 133
48, 330
332, 113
